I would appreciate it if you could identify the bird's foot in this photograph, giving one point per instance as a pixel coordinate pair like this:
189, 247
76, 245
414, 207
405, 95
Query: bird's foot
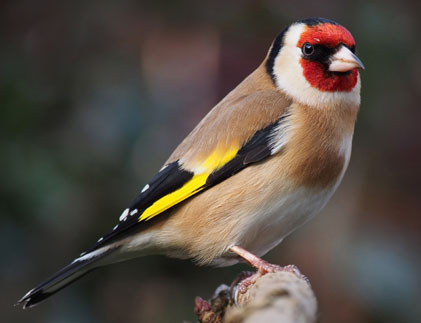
240, 277
263, 267
243, 285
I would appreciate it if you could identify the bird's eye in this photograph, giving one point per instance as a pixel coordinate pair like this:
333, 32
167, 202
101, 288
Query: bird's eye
307, 49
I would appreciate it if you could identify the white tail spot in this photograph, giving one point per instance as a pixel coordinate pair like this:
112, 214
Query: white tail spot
91, 254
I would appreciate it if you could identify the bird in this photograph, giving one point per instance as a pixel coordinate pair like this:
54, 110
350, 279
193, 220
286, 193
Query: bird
260, 164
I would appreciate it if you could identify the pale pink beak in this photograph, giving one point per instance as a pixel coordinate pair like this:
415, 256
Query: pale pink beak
344, 60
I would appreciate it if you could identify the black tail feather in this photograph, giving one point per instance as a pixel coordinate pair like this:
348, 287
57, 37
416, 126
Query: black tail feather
61, 279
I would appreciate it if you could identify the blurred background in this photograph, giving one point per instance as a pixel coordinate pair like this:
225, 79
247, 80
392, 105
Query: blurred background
94, 96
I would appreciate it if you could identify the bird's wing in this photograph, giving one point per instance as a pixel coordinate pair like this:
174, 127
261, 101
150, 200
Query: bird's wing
234, 135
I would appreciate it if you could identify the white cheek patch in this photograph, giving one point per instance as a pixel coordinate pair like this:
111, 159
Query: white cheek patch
289, 76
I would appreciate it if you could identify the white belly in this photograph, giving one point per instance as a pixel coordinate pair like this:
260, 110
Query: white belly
269, 224
280, 213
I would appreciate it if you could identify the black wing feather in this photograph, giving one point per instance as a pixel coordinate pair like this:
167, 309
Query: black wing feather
255, 150
169, 179
173, 177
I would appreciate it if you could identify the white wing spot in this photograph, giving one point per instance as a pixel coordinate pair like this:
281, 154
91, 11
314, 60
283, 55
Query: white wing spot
133, 212
115, 227
124, 215
100, 239
145, 188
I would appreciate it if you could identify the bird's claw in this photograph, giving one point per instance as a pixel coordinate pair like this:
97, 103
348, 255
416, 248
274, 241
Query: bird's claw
263, 268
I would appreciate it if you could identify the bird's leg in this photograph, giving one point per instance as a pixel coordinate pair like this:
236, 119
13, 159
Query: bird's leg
262, 266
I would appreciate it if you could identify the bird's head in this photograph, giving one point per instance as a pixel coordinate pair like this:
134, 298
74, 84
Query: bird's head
314, 61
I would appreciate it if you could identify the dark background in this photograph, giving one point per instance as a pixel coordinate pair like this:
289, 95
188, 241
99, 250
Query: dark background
94, 96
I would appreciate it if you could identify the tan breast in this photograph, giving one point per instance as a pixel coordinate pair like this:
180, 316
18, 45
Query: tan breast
320, 144
266, 201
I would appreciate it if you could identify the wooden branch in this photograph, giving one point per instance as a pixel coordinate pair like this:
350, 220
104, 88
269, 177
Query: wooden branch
279, 297
284, 296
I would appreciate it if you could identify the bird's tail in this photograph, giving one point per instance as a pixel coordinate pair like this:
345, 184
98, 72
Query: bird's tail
75, 270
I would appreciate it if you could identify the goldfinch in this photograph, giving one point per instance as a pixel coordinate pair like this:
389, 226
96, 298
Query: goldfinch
261, 163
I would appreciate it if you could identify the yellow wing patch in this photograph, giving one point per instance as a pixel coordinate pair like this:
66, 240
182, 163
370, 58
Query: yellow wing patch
214, 161
218, 158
